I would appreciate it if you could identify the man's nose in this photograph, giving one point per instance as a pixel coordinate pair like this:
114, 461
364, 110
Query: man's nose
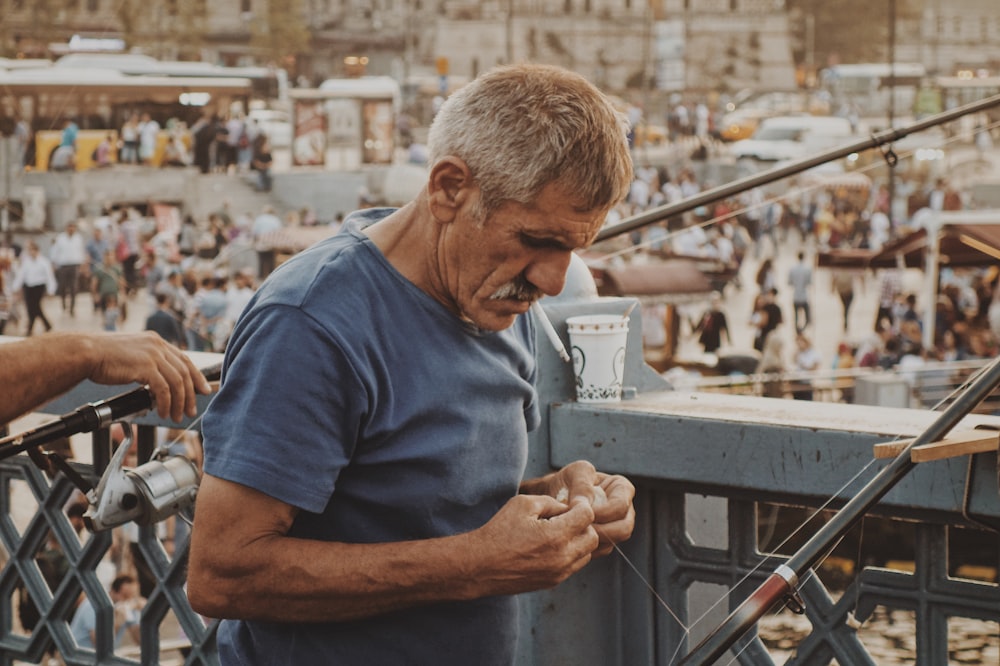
548, 273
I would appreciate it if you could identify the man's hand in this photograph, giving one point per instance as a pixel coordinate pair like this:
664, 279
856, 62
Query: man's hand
610, 496
147, 358
534, 542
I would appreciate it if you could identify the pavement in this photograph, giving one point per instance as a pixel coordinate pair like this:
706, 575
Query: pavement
827, 327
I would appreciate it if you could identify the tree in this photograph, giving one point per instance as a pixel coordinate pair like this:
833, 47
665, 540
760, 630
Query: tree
187, 31
47, 25
128, 13
281, 34
846, 30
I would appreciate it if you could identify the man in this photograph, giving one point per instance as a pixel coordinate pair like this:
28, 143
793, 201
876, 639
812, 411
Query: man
712, 327
107, 282
206, 316
36, 278
238, 295
264, 224
127, 607
149, 131
165, 323
68, 253
770, 316
364, 457
36, 370
800, 279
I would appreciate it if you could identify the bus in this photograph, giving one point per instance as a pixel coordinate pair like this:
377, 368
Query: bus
268, 84
872, 90
99, 101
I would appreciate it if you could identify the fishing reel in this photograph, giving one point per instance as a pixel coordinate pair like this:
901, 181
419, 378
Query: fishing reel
147, 494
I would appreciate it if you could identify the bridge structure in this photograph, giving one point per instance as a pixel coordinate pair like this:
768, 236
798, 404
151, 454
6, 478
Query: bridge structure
702, 463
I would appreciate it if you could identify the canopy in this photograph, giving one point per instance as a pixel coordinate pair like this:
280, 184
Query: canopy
966, 239
960, 245
667, 281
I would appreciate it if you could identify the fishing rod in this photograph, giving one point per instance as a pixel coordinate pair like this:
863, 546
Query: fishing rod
88, 418
149, 493
876, 140
782, 583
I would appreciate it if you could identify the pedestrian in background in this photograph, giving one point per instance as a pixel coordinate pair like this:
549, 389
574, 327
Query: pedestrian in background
800, 279
68, 254
34, 277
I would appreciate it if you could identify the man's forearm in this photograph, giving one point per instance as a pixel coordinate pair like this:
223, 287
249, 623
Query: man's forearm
35, 370
281, 579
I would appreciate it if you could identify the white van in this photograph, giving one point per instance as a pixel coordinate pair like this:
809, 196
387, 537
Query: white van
793, 137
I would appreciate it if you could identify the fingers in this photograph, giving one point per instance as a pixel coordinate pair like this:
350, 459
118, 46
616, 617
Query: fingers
613, 532
614, 516
146, 358
579, 479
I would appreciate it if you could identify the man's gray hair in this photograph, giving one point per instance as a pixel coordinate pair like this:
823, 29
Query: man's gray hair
522, 127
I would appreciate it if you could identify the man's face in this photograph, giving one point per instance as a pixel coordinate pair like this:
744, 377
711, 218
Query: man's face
126, 592
493, 270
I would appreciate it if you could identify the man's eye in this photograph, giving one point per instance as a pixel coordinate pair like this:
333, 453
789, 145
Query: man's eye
535, 242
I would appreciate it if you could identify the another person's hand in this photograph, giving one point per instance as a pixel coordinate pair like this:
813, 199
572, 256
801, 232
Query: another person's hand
146, 358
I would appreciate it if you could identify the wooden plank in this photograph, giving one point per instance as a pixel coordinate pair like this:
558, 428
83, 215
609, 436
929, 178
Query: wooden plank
955, 444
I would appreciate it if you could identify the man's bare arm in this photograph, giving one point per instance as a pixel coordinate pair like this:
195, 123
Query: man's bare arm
243, 565
38, 369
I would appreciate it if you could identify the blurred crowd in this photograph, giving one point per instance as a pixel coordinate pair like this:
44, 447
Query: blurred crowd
189, 280
739, 239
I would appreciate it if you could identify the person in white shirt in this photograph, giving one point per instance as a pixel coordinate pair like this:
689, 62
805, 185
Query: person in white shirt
238, 295
149, 130
807, 359
35, 277
880, 230
691, 241
68, 254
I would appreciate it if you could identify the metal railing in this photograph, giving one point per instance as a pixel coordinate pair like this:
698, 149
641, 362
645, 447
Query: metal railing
49, 566
927, 384
702, 462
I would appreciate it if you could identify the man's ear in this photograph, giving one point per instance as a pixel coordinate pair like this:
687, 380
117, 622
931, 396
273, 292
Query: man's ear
449, 187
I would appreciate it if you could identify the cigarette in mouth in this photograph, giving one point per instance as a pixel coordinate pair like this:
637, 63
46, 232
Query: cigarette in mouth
550, 331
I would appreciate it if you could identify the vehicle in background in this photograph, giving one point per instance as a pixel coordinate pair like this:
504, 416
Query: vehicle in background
741, 123
779, 102
793, 137
747, 109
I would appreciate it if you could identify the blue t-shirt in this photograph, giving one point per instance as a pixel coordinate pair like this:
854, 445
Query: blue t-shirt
353, 395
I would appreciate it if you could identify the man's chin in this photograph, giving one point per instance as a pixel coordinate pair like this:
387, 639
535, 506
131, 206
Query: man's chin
499, 314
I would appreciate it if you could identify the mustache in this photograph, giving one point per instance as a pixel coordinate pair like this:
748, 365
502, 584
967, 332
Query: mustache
518, 289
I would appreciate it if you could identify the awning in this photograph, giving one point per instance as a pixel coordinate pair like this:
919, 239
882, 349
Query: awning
960, 245
668, 281
848, 257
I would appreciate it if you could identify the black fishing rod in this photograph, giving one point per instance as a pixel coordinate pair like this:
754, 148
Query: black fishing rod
782, 583
877, 140
88, 418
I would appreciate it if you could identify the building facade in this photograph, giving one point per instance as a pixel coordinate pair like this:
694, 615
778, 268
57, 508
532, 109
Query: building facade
637, 45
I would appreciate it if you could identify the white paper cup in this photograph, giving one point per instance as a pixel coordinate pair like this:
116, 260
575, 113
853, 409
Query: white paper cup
598, 343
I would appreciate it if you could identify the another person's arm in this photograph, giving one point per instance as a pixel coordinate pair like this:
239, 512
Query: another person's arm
38, 369
243, 564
